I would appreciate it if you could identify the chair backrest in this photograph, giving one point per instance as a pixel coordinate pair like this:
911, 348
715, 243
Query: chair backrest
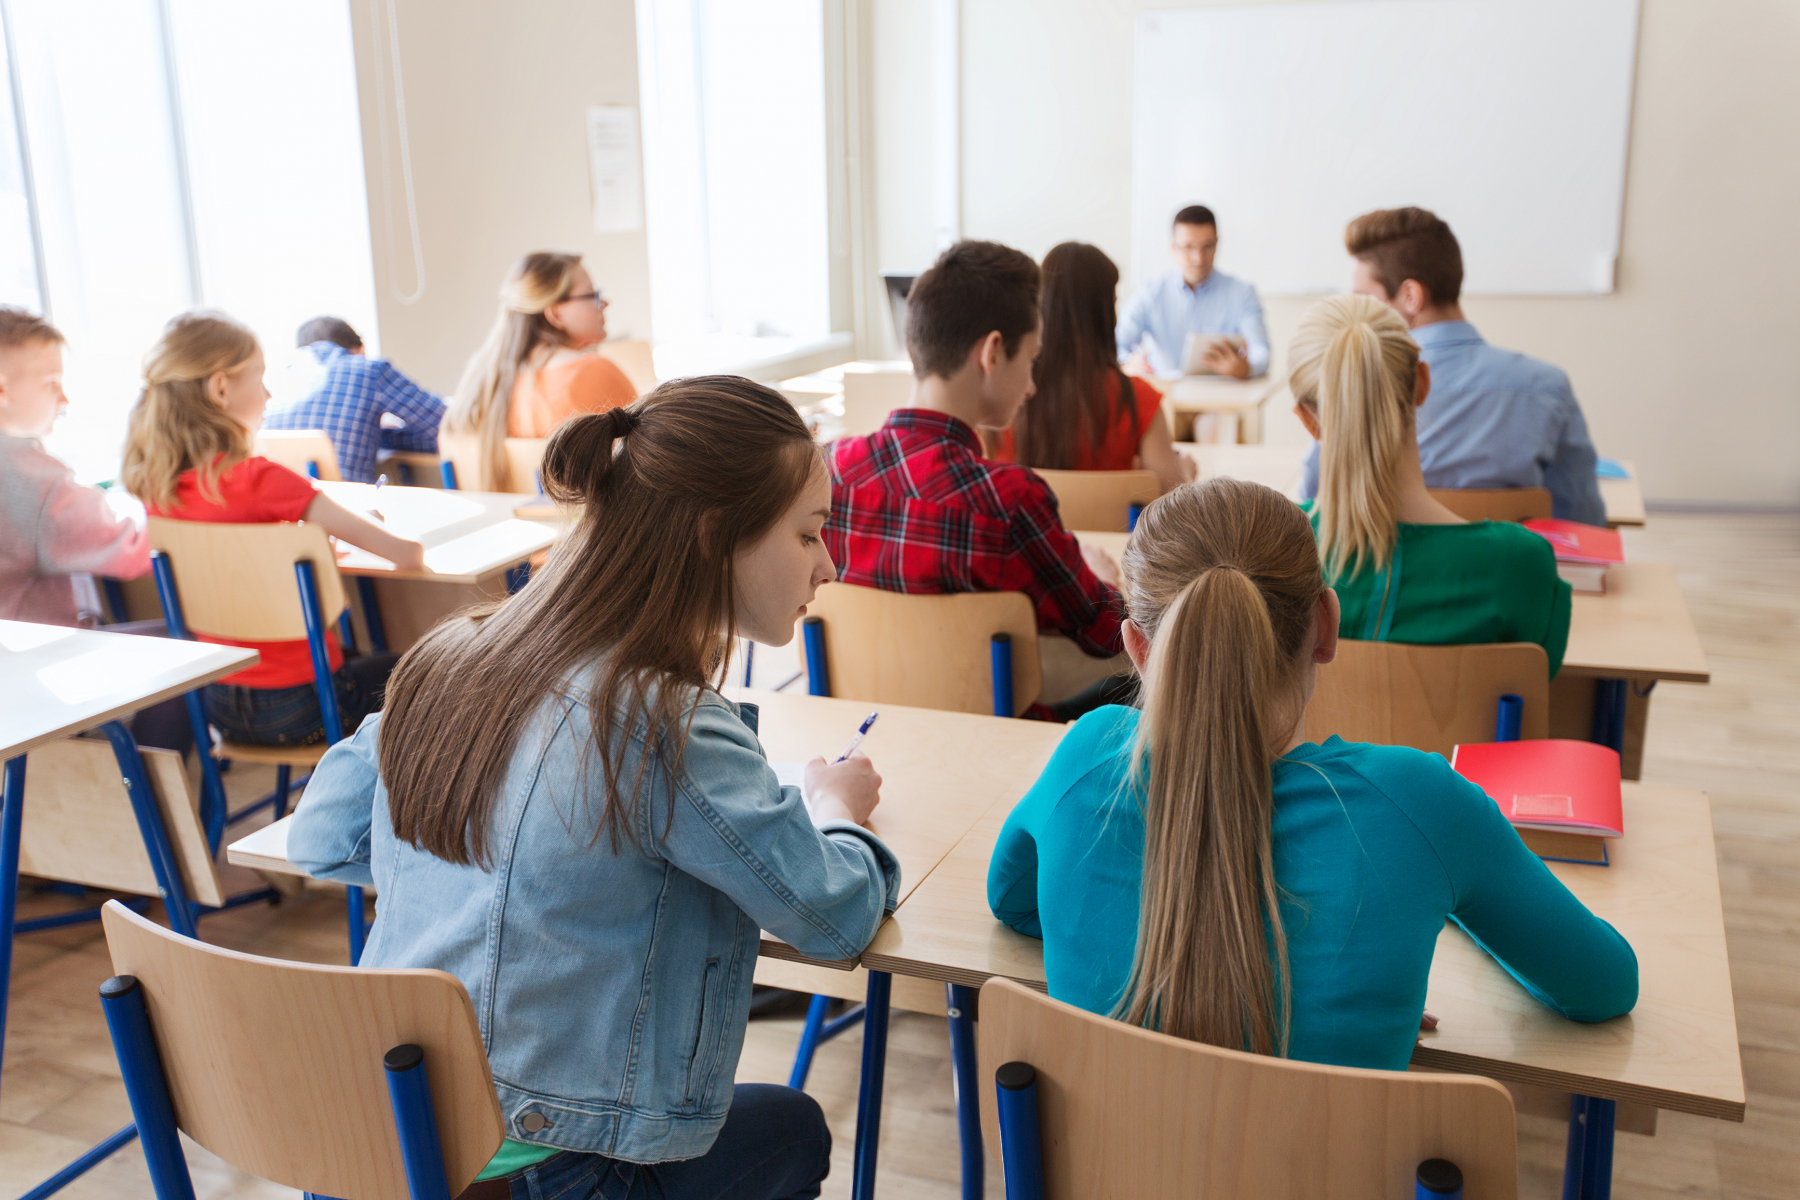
1495, 504
1100, 500
1428, 697
237, 581
297, 449
926, 651
633, 356
870, 395
1126, 1112
523, 458
80, 828
276, 1066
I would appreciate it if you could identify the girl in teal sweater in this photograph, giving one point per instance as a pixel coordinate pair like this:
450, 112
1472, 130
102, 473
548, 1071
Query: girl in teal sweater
1201, 868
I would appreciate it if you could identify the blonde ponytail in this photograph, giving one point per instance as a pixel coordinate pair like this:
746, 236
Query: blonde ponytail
176, 426
1223, 578
483, 399
1351, 364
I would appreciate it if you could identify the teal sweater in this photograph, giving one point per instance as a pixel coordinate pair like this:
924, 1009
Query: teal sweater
1374, 847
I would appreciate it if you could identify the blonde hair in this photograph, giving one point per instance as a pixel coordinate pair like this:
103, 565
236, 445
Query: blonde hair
1223, 578
484, 397
176, 425
1352, 365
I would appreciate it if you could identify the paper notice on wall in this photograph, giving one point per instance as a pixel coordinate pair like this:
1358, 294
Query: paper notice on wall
613, 167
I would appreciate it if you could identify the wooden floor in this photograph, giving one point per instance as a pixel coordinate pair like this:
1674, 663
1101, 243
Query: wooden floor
1736, 739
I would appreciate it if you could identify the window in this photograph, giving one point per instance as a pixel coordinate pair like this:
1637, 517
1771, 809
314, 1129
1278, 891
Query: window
733, 98
177, 153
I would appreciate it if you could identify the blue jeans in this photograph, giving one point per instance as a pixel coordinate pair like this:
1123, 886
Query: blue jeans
774, 1146
290, 716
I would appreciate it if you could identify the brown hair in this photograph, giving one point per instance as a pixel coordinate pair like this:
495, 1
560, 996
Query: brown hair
176, 426
484, 397
972, 290
1223, 578
22, 327
1080, 307
1408, 243
671, 486
1352, 365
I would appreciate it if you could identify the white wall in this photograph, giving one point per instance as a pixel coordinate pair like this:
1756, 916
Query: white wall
1677, 369
496, 97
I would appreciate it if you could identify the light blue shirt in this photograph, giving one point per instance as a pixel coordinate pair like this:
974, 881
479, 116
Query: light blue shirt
1168, 310
1498, 419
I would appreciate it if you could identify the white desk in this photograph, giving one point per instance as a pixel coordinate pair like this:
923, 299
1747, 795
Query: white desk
467, 536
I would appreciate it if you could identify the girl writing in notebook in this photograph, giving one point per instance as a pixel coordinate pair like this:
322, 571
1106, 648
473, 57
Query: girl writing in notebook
1406, 568
1202, 869
561, 809
187, 456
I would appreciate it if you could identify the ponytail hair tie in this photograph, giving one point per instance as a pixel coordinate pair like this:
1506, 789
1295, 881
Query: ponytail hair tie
623, 419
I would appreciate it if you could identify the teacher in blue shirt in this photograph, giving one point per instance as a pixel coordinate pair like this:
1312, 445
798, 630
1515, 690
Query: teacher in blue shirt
1194, 298
1496, 418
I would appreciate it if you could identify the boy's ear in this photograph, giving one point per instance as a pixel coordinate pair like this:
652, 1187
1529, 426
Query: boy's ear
990, 352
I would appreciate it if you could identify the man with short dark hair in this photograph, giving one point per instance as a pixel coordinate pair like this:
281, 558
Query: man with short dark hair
1495, 418
916, 506
350, 397
1194, 298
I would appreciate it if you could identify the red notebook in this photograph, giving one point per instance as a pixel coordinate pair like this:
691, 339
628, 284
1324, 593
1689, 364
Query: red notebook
1578, 543
1563, 796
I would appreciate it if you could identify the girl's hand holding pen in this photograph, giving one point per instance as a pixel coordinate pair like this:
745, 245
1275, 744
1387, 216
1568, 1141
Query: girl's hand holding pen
846, 790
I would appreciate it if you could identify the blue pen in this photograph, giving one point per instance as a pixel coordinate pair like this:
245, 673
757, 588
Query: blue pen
857, 740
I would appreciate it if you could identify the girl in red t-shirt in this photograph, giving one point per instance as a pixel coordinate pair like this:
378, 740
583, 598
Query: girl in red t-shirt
1085, 414
187, 456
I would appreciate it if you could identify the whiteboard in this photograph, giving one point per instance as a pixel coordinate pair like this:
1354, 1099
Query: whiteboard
1507, 118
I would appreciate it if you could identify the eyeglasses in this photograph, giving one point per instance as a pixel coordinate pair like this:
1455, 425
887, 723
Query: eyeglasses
597, 296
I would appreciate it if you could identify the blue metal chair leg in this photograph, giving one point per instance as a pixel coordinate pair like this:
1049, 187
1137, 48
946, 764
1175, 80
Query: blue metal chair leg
960, 1006
1609, 714
1000, 667
1587, 1167
818, 673
163, 862
420, 1150
81, 1166
128, 1021
1021, 1140
809, 1042
283, 774
12, 816
359, 930
371, 606
868, 1101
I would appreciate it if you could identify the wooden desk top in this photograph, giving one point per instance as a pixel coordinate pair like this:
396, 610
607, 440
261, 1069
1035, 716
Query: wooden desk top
56, 682
467, 535
1278, 467
1677, 1050
1216, 393
265, 849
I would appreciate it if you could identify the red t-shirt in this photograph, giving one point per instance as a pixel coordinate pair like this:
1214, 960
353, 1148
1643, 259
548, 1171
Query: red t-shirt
1118, 451
256, 491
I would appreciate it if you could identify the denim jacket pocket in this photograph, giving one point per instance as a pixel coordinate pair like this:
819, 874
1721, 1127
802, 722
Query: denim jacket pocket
706, 1039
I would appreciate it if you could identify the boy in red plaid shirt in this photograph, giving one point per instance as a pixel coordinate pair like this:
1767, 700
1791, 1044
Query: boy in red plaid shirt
915, 507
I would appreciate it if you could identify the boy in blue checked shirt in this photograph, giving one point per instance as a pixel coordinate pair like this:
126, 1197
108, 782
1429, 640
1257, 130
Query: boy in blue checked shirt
352, 395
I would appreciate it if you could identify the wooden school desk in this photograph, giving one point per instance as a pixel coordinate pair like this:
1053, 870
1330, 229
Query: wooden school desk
56, 682
1677, 1050
1624, 498
1237, 403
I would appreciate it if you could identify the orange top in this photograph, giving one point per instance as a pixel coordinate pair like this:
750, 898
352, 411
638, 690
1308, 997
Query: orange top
544, 399
1119, 450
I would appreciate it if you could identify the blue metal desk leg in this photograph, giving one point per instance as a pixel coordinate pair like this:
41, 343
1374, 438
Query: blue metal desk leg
371, 606
11, 824
1587, 1169
868, 1100
961, 1009
1609, 714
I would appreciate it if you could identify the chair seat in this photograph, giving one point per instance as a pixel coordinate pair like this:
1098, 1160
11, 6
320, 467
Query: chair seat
292, 756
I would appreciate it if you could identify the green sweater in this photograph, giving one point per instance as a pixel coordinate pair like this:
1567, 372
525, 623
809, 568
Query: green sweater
1474, 584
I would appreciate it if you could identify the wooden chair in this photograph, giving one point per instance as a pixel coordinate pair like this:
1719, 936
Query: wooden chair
307, 451
336, 1081
634, 357
1495, 504
1101, 1108
1428, 697
463, 467
257, 583
942, 652
1101, 500
870, 395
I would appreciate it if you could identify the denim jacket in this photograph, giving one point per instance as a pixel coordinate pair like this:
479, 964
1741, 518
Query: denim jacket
613, 988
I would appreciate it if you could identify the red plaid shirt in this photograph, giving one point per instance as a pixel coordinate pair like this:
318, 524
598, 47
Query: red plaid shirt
916, 508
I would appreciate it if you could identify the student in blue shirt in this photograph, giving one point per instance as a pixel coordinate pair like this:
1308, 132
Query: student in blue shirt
1194, 298
352, 394
1496, 418
1203, 869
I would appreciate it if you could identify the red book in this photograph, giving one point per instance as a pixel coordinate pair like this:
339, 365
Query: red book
1578, 543
1551, 786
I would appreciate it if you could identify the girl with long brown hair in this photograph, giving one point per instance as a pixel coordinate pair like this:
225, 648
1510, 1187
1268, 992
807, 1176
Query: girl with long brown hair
1086, 414
559, 807
539, 364
1200, 868
187, 455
